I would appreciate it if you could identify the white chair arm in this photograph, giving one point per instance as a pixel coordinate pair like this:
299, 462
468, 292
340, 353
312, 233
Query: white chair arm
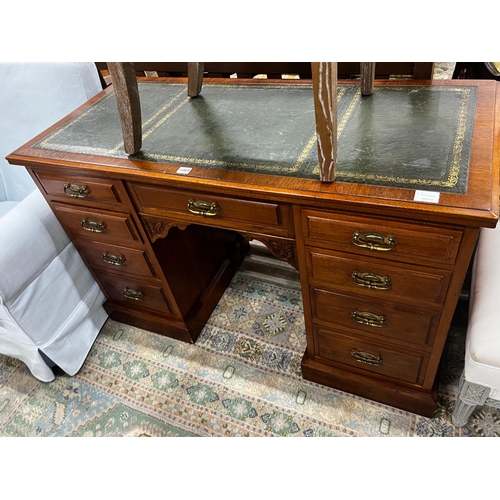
30, 238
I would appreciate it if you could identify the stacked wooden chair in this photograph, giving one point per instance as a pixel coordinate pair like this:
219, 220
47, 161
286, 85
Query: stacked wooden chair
324, 77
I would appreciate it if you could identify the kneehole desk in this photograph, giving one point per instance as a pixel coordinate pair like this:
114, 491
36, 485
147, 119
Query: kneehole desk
382, 251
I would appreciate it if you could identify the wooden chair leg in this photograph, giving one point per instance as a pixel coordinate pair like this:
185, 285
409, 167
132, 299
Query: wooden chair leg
195, 78
324, 76
129, 107
367, 77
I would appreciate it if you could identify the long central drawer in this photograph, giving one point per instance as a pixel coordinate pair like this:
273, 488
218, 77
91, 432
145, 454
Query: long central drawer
212, 209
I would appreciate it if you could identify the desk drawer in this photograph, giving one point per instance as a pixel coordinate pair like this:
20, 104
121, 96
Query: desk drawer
374, 317
80, 188
391, 240
212, 209
127, 261
378, 278
101, 225
135, 294
406, 366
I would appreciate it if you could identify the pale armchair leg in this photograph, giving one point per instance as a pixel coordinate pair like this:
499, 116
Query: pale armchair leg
471, 395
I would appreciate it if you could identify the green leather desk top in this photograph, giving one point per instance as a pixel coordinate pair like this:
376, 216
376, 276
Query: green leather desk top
416, 137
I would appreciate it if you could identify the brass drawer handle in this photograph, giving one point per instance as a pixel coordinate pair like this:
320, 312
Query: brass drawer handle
374, 241
112, 259
369, 319
371, 280
93, 226
366, 358
76, 191
200, 207
132, 294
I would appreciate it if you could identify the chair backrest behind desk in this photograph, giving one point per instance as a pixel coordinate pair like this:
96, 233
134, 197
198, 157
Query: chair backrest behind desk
324, 76
346, 70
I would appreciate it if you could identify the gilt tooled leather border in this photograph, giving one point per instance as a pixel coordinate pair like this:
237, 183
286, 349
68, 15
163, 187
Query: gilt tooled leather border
458, 167
76, 135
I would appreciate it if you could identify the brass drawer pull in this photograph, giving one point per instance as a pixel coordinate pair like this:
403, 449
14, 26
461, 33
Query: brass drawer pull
369, 319
366, 358
200, 207
93, 226
371, 280
132, 294
374, 241
76, 191
112, 259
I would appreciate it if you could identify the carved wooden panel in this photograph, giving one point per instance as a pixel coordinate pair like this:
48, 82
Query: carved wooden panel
159, 228
282, 250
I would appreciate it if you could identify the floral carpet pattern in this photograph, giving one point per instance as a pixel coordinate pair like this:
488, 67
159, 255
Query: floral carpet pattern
241, 378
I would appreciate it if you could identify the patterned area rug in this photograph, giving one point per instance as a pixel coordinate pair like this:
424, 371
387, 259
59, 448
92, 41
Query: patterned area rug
241, 378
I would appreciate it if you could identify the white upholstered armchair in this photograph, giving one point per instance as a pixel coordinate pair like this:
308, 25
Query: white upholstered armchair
480, 380
50, 305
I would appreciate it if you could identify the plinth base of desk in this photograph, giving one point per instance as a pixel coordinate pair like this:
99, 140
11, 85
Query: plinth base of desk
150, 323
189, 329
405, 398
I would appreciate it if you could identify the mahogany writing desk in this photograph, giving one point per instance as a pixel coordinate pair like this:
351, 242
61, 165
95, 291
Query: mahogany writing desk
164, 231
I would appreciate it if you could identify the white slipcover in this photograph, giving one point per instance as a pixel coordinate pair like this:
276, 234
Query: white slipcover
49, 301
482, 354
480, 380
